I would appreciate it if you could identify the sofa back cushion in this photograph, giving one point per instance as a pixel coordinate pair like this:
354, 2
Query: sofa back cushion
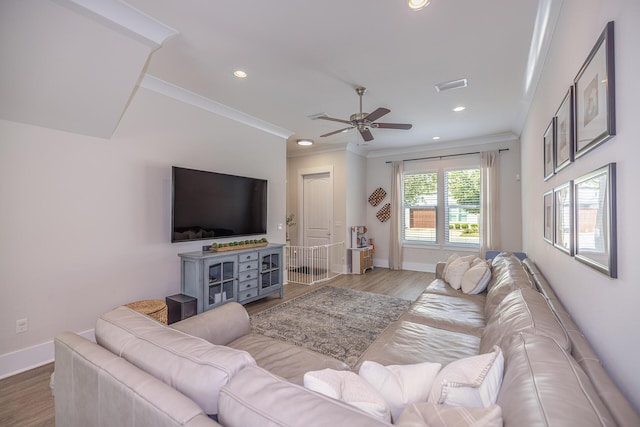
191, 365
523, 310
507, 274
543, 385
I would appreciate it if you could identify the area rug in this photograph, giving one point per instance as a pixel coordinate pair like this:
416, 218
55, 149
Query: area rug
337, 322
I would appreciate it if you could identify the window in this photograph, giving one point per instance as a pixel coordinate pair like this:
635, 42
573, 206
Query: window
462, 206
452, 194
420, 207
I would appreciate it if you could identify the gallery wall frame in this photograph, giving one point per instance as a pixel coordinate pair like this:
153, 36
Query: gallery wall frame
548, 216
549, 149
564, 140
594, 88
595, 220
563, 217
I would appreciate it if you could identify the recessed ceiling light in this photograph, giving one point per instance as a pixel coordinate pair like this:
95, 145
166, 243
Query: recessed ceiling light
418, 4
305, 142
460, 108
435, 137
345, 130
240, 74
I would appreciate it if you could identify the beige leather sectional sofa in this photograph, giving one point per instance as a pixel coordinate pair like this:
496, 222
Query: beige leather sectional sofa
143, 373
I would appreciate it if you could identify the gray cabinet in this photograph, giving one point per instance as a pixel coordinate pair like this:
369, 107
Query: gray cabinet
244, 275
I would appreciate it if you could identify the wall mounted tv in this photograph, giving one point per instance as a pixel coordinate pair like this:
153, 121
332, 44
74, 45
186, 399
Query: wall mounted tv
209, 205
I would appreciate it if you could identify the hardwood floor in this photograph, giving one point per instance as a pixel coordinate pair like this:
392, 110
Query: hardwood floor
26, 400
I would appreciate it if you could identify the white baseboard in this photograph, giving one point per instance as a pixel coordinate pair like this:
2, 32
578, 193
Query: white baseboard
31, 357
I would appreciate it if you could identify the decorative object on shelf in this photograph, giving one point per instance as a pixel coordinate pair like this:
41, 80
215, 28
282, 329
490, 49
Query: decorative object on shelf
548, 216
234, 246
595, 213
385, 213
563, 217
377, 196
564, 139
549, 149
595, 95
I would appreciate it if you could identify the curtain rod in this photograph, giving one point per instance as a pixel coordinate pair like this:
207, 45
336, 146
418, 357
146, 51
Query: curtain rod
447, 155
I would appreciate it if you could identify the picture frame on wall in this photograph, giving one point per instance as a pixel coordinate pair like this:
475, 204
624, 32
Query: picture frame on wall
549, 149
595, 216
594, 89
563, 217
564, 132
548, 216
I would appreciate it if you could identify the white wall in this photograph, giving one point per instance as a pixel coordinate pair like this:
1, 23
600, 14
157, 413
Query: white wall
424, 258
356, 193
605, 309
85, 221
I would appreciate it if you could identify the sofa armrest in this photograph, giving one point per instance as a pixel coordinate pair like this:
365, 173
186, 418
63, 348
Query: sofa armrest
440, 270
219, 326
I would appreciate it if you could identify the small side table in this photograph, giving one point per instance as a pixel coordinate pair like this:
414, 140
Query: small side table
180, 307
151, 307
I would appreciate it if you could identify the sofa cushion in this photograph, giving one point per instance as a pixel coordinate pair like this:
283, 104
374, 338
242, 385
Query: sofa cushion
454, 272
471, 382
432, 415
191, 365
542, 384
523, 310
350, 388
289, 361
400, 385
507, 274
258, 398
476, 278
459, 313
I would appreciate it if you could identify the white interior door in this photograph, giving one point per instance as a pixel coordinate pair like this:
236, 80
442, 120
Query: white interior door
317, 194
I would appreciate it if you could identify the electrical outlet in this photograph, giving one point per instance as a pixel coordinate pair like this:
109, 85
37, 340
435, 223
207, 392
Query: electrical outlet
22, 325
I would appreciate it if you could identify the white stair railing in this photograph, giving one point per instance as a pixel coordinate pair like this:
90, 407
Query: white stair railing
308, 265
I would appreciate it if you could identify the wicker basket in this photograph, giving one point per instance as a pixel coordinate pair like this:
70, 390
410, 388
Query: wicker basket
151, 307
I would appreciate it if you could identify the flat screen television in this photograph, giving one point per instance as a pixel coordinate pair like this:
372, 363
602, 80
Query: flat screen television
210, 205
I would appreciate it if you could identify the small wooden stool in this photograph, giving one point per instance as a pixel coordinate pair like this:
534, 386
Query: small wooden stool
151, 307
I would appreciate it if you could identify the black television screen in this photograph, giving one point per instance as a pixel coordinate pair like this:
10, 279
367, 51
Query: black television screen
209, 205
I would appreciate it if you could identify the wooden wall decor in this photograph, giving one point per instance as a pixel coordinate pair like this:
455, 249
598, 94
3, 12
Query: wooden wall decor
377, 196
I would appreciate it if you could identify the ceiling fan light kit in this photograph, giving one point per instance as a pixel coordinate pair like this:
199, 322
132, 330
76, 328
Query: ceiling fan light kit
418, 4
363, 121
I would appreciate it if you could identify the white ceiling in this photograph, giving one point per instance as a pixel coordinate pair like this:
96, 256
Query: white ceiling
305, 58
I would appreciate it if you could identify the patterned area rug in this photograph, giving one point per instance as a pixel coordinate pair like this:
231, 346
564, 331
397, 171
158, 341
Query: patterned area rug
336, 322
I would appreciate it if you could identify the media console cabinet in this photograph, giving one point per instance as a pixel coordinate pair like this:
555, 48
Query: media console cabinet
245, 275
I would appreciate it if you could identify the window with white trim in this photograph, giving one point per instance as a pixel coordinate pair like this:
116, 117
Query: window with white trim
420, 207
462, 206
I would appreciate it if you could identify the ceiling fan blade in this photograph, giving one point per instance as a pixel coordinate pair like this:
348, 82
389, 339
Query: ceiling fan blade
377, 114
405, 126
366, 134
347, 122
335, 132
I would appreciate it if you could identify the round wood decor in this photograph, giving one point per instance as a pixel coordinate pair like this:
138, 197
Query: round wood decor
384, 213
377, 196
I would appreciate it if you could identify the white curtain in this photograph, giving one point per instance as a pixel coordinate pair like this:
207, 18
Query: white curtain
489, 207
395, 239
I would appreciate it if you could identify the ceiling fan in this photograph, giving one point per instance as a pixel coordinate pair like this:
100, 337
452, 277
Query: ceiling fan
364, 121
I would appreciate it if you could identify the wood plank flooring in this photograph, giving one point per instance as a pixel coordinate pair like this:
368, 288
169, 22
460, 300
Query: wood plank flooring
26, 400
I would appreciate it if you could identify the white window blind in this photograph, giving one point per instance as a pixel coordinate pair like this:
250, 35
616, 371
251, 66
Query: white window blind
420, 207
462, 206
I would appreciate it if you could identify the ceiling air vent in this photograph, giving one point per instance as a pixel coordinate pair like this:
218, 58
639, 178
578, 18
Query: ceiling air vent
453, 84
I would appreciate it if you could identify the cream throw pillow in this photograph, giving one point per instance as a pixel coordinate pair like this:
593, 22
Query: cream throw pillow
473, 382
432, 415
350, 388
400, 385
476, 279
452, 258
455, 272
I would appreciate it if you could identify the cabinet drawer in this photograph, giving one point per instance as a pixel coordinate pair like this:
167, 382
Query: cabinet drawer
253, 256
245, 266
247, 275
250, 284
245, 295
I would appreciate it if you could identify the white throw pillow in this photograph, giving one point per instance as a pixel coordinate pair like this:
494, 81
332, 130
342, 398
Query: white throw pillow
427, 414
400, 385
476, 279
472, 382
455, 272
350, 388
452, 258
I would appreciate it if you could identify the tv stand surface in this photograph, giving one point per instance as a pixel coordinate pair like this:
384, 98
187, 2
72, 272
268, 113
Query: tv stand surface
245, 275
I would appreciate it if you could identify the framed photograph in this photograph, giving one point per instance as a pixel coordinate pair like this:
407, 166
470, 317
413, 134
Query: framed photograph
563, 217
564, 132
594, 89
548, 216
549, 149
595, 208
